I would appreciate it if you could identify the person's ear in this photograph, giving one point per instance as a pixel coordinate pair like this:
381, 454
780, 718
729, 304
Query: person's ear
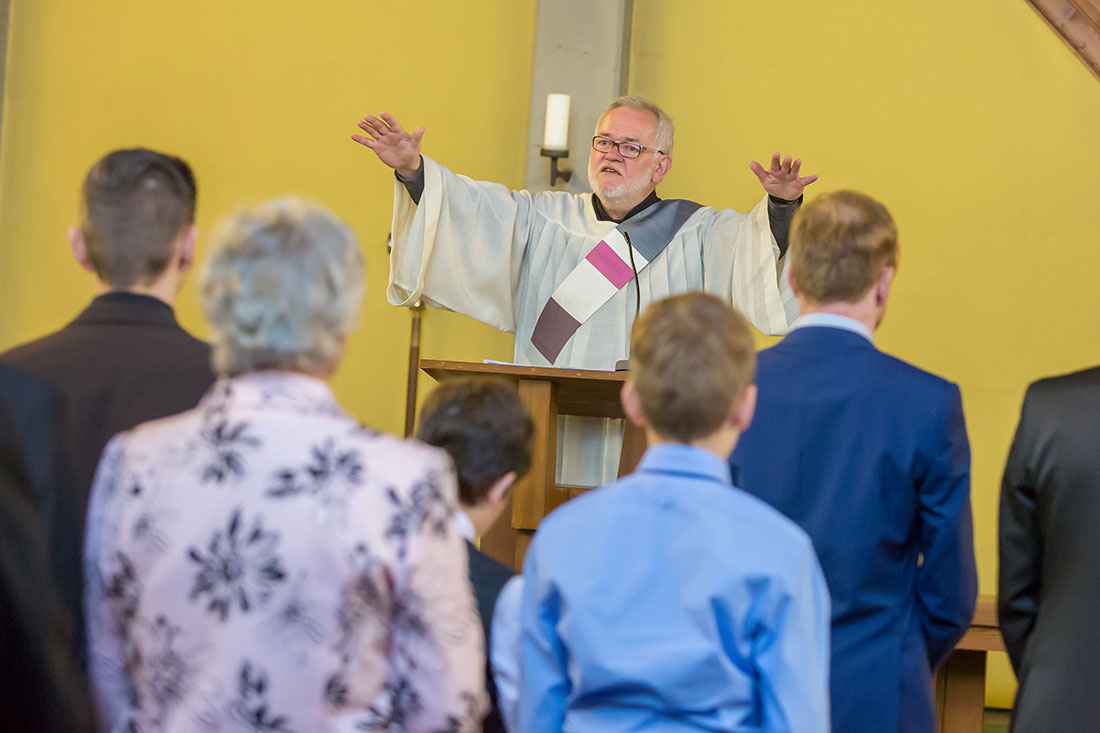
790, 278
80, 248
743, 408
632, 404
882, 287
664, 165
186, 255
498, 492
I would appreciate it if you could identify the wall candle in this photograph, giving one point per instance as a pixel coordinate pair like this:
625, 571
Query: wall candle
556, 134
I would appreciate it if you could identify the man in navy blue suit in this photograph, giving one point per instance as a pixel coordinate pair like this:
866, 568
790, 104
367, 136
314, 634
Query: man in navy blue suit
870, 456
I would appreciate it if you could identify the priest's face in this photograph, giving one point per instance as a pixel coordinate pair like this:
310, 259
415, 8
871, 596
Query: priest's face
623, 183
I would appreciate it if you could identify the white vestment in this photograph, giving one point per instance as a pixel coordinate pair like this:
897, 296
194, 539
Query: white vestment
497, 255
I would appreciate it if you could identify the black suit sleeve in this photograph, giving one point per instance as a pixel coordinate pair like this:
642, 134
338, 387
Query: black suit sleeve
41, 687
1020, 544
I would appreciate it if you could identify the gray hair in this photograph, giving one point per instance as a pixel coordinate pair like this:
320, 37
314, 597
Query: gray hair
282, 287
665, 130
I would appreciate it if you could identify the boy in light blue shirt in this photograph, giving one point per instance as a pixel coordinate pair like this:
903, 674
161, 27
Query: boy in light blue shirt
671, 600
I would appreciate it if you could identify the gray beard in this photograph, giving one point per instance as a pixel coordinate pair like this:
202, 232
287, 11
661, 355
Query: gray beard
618, 197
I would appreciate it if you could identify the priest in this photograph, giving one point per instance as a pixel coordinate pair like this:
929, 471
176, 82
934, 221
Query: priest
568, 273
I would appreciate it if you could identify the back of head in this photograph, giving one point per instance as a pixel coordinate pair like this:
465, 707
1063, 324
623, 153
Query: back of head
840, 243
136, 203
691, 355
665, 129
484, 427
282, 288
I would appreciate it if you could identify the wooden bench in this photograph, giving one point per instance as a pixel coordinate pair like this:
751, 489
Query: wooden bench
960, 682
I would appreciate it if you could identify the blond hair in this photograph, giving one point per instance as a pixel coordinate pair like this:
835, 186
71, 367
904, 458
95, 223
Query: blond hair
691, 356
840, 244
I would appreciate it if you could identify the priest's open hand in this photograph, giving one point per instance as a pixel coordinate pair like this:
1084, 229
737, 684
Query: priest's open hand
393, 145
782, 179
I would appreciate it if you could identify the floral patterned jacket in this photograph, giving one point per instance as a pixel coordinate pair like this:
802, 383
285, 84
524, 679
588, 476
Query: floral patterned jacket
262, 563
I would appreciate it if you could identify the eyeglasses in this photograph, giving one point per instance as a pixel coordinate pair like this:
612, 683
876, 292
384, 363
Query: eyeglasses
627, 150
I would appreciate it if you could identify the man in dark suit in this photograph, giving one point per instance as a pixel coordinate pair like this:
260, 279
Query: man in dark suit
1049, 596
488, 433
870, 456
124, 360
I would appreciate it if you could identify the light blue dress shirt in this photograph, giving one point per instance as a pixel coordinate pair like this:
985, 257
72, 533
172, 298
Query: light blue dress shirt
833, 320
672, 601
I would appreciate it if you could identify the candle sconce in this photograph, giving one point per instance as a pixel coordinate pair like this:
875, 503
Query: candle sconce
556, 173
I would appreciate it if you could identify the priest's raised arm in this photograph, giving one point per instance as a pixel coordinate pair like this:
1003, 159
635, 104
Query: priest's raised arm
555, 267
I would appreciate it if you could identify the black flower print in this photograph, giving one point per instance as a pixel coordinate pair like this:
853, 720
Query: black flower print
296, 624
336, 690
251, 710
239, 568
391, 714
425, 614
364, 600
473, 712
148, 530
427, 509
331, 475
226, 442
166, 670
120, 587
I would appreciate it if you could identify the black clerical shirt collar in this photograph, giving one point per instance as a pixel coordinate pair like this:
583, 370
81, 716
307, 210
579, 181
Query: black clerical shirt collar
602, 215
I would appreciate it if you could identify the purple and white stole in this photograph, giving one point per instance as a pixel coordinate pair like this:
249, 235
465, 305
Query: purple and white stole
605, 270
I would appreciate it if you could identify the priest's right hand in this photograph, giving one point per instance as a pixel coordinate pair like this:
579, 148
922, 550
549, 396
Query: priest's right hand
391, 143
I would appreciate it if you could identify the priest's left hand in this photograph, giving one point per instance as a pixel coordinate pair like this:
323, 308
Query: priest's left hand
782, 180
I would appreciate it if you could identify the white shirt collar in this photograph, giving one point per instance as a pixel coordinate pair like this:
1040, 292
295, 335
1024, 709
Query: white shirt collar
465, 526
833, 320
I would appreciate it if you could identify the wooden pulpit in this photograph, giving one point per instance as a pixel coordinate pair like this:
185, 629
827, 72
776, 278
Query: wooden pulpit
547, 393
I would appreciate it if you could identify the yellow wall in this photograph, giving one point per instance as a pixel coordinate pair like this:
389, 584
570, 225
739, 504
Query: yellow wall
260, 97
970, 120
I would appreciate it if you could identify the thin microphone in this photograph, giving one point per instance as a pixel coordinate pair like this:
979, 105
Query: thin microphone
637, 290
623, 365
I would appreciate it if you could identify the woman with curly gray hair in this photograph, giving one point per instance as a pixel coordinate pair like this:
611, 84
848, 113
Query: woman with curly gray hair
261, 560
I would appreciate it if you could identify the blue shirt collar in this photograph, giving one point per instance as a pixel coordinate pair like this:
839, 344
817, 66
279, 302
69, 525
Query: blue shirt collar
685, 460
832, 320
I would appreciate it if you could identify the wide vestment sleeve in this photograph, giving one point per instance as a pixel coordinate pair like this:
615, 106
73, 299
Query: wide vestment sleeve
739, 259
461, 248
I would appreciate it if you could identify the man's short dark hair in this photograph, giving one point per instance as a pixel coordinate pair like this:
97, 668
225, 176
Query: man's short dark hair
484, 427
136, 202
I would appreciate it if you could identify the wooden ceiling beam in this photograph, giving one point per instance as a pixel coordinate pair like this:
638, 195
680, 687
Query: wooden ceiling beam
1077, 23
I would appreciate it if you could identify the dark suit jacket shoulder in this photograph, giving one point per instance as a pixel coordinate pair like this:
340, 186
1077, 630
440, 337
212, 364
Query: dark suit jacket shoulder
41, 686
488, 578
1049, 598
123, 361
